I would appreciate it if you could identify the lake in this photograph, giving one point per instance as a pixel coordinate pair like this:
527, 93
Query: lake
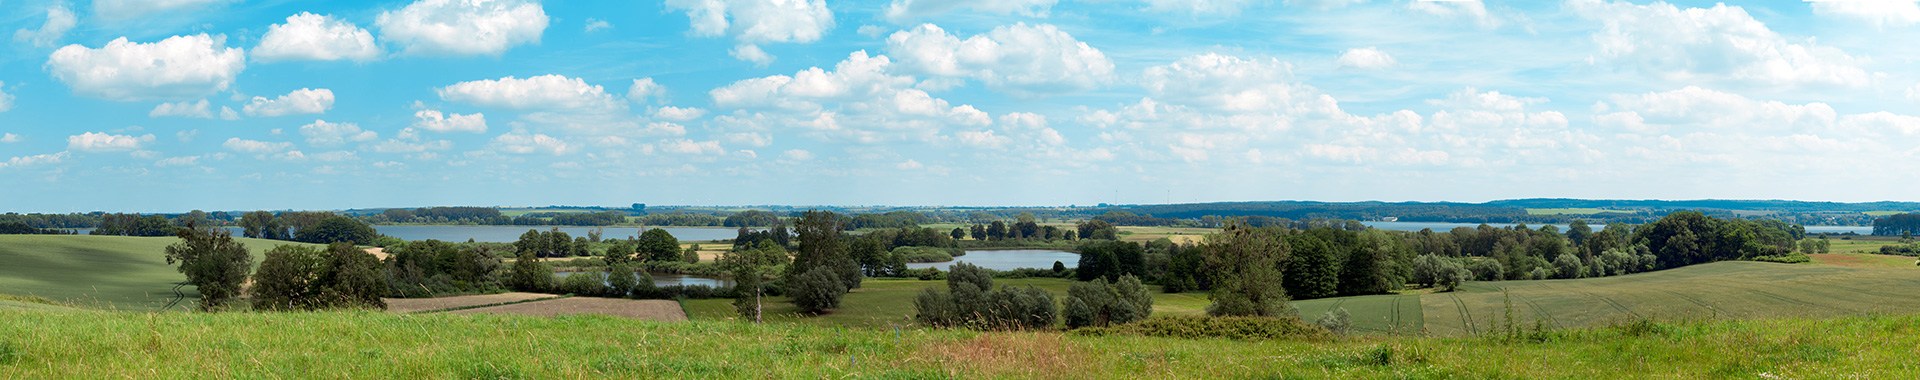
1444, 227
1008, 259
509, 234
670, 279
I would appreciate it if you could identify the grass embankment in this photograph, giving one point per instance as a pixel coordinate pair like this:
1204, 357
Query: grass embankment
378, 345
105, 272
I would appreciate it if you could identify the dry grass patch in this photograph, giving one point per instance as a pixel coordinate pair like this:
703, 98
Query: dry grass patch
1010, 355
652, 310
415, 305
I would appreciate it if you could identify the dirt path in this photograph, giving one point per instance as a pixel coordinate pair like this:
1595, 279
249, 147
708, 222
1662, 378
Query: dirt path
652, 310
412, 305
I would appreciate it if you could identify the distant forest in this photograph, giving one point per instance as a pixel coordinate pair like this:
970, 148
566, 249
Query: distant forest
1205, 215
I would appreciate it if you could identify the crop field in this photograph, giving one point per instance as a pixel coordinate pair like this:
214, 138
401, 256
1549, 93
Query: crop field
1177, 234
1885, 213
516, 212
1571, 211
1866, 260
105, 272
1724, 290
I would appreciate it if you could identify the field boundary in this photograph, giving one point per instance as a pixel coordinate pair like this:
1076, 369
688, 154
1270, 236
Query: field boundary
459, 308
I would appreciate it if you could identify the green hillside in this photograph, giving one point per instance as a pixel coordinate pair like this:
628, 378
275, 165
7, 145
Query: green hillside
105, 272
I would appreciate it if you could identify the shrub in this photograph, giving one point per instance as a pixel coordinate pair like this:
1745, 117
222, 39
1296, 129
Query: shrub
529, 274
621, 280
301, 278
972, 301
1236, 328
585, 284
926, 254
1123, 302
818, 290
1336, 321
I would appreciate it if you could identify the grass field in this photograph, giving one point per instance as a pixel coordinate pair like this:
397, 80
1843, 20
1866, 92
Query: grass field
105, 272
1885, 213
888, 303
1571, 211
356, 345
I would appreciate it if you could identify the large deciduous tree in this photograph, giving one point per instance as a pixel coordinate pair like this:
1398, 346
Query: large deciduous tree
213, 263
1248, 279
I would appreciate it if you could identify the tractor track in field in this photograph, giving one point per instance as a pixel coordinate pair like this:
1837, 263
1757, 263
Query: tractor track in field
1616, 305
1797, 301
1695, 301
1466, 317
1393, 317
1542, 312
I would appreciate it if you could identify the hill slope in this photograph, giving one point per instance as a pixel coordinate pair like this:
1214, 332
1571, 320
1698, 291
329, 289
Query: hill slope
108, 272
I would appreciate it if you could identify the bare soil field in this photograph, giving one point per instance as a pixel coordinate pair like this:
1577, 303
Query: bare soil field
414, 305
653, 310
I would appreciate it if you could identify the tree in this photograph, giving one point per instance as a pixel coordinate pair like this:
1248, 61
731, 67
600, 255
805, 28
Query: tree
1435, 271
692, 254
1027, 230
1100, 304
288, 277
1367, 268
337, 229
531, 243
658, 245
621, 279
529, 274
997, 230
261, 225
979, 232
1110, 260
1578, 232
1312, 271
821, 245
213, 263
749, 267
958, 233
1097, 229
1248, 282
972, 301
871, 254
818, 290
351, 278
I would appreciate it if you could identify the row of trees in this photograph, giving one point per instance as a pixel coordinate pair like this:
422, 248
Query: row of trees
1897, 225
291, 277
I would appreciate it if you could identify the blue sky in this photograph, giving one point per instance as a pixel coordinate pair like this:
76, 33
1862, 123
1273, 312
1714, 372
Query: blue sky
164, 106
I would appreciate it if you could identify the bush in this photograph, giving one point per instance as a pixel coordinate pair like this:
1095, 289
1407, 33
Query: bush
621, 280
971, 301
818, 290
927, 254
1336, 321
585, 284
529, 274
1094, 303
1236, 328
301, 278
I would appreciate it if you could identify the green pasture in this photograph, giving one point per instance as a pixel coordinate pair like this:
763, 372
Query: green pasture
1885, 213
105, 272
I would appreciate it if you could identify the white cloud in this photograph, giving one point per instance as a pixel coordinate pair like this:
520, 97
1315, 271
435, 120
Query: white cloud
433, 120
1235, 84
308, 36
854, 102
6, 100
1198, 7
1473, 9
1019, 58
125, 9
797, 155
1879, 13
38, 159
1722, 42
464, 27
256, 147
752, 139
1472, 98
186, 135
757, 21
690, 147
9, 138
524, 143
1323, 4
1913, 93
301, 101
179, 67
227, 113
335, 156
178, 161
323, 133
874, 31
909, 164
662, 128
397, 146
751, 53
201, 110
1697, 107
102, 142
906, 11
594, 24
644, 89
1366, 58
984, 139
59, 21
679, 113
545, 92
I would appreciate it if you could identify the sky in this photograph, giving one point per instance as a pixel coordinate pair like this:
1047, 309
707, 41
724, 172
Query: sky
173, 105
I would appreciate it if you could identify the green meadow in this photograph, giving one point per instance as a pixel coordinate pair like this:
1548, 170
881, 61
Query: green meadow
102, 272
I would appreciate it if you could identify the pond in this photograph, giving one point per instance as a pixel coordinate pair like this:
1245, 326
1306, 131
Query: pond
670, 279
1008, 259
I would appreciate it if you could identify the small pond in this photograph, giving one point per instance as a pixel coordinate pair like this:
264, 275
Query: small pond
671, 279
1008, 259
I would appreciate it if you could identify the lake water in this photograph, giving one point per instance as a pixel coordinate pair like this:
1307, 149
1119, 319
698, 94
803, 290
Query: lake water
1444, 227
1863, 230
670, 279
1008, 259
509, 234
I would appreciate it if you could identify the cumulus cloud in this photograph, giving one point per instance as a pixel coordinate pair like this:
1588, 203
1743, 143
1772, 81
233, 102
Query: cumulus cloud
102, 142
308, 36
690, 147
1471, 9
518, 142
1491, 100
178, 161
1366, 58
38, 159
1323, 4
678, 113
125, 9
797, 155
1198, 7
433, 120
644, 89
323, 133
1722, 42
594, 24
757, 21
1695, 107
1232, 83
9, 138
201, 110
255, 147
544, 93
849, 103
906, 11
751, 53
1879, 13
179, 67
1019, 58
301, 101
6, 100
399, 146
59, 21
462, 28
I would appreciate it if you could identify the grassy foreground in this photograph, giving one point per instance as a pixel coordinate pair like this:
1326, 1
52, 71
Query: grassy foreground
379, 345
